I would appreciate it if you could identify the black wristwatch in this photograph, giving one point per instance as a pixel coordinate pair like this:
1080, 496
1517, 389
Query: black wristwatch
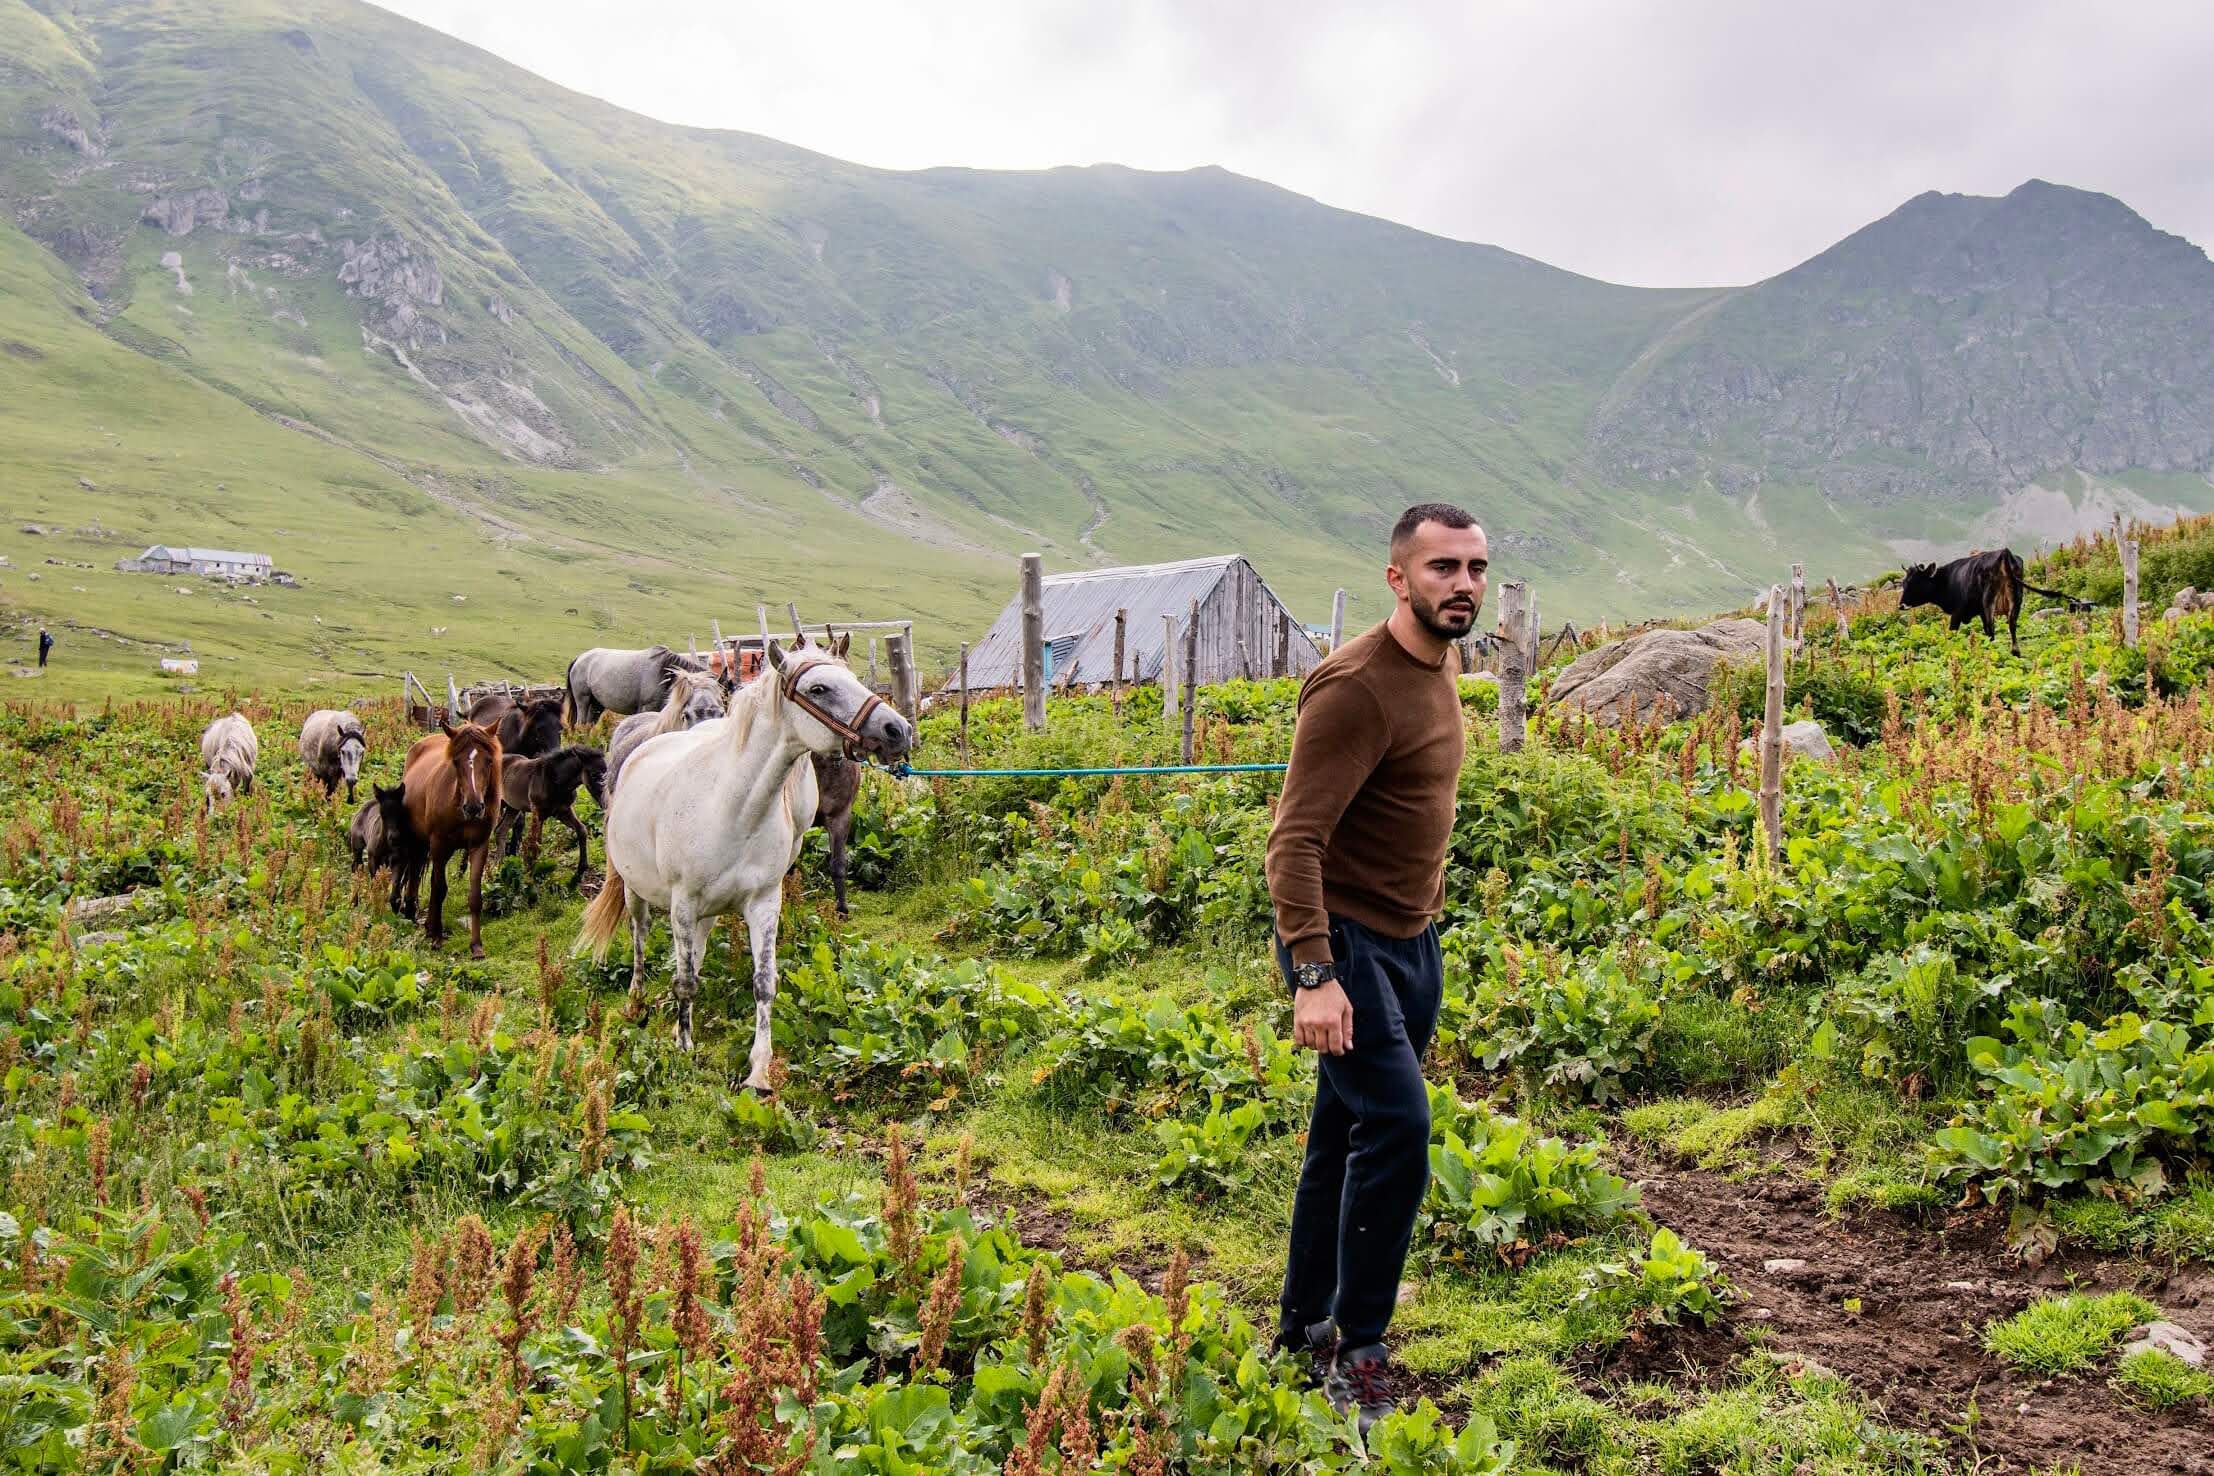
1314, 975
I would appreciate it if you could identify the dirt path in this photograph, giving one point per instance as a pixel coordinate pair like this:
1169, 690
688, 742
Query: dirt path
1925, 1296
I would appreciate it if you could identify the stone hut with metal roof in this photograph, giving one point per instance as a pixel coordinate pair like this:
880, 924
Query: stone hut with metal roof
221, 563
1234, 603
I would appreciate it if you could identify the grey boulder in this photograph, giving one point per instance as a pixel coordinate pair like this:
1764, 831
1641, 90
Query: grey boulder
1664, 670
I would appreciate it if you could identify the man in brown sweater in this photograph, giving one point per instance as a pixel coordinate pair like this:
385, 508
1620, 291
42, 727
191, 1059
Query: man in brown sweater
1356, 868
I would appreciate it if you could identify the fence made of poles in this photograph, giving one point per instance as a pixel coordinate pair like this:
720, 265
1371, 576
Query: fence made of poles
1771, 730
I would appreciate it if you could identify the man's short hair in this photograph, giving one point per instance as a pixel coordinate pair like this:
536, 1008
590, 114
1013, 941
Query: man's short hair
1443, 513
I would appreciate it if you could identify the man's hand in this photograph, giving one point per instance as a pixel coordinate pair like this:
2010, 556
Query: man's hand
1322, 1019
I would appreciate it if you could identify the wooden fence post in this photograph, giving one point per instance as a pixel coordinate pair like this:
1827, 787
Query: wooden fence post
1033, 642
1514, 667
1337, 619
1771, 730
1798, 629
791, 608
872, 660
1191, 675
454, 713
964, 704
2129, 589
903, 674
1169, 689
1531, 630
1844, 626
761, 613
1122, 624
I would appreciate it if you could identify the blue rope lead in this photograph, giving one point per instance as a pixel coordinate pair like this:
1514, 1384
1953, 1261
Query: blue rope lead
902, 771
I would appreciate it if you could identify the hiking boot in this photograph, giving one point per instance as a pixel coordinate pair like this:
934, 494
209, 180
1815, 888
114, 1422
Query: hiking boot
1360, 1379
1318, 1341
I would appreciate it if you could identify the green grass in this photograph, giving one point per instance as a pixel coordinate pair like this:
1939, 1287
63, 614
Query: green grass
1505, 1331
2179, 1226
2158, 1379
2059, 1335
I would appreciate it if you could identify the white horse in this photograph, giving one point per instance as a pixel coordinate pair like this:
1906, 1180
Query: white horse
708, 820
228, 753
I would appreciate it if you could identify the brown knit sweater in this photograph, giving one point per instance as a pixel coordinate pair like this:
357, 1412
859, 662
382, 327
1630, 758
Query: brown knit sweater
1367, 809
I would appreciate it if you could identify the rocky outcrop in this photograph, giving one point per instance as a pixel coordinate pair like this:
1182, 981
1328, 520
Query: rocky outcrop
402, 279
61, 123
179, 213
2187, 599
1656, 670
791, 406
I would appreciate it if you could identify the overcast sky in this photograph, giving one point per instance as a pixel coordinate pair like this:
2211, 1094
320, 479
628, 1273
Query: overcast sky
1665, 143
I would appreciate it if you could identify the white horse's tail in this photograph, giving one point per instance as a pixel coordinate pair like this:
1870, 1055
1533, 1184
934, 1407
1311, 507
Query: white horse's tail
602, 918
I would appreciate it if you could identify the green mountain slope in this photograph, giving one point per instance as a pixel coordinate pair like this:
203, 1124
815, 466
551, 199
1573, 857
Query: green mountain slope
452, 330
1961, 345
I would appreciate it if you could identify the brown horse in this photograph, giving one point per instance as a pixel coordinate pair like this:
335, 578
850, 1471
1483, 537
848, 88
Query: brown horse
528, 728
452, 783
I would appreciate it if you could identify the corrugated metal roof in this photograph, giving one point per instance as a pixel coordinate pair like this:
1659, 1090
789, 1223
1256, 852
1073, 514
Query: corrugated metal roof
1082, 604
204, 555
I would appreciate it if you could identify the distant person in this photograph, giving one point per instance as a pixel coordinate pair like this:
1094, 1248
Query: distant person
45, 644
1356, 869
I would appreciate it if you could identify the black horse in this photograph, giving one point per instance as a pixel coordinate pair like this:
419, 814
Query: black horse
543, 788
529, 728
383, 836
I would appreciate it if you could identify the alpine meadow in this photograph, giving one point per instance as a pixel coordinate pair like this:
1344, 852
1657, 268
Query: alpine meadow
1823, 1077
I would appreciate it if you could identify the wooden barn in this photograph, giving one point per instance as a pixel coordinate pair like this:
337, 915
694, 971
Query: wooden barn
1244, 629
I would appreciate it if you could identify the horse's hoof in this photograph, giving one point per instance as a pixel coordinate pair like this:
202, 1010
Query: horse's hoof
476, 950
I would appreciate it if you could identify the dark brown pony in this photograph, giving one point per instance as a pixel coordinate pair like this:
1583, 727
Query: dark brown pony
837, 782
527, 729
452, 783
545, 788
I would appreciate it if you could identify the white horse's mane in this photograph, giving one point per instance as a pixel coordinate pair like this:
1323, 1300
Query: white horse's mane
764, 693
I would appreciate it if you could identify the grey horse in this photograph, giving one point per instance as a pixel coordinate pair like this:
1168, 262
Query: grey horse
609, 679
331, 745
694, 697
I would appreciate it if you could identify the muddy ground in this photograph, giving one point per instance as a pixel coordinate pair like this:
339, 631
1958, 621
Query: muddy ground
1913, 1349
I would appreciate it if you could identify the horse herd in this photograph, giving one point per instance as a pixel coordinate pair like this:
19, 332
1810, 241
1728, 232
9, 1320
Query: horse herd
702, 787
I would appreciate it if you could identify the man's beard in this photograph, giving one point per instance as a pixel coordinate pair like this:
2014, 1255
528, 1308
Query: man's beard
1449, 622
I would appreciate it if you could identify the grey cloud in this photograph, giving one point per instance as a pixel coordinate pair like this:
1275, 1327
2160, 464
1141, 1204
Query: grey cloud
1680, 143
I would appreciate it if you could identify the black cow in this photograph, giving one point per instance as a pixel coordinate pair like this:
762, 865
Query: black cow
1985, 585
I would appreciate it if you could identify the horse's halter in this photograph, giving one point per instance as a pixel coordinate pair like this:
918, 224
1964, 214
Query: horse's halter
850, 731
